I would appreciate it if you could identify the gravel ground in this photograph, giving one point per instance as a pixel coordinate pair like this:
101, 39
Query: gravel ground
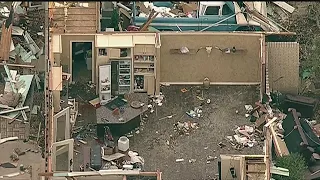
219, 119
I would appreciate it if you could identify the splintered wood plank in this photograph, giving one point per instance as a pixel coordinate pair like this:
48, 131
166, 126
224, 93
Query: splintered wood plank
5, 42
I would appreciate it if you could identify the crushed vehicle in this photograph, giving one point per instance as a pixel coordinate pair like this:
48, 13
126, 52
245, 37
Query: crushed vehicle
194, 16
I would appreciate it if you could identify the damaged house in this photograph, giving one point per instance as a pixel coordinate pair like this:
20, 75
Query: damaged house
124, 68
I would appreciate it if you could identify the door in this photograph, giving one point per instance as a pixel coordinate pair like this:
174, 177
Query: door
62, 125
209, 16
114, 77
226, 12
149, 84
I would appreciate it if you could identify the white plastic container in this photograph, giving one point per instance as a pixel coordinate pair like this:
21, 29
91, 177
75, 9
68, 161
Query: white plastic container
123, 143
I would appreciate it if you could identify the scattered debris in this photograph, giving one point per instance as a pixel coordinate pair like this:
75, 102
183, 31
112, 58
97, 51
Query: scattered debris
8, 165
167, 117
186, 127
196, 113
8, 139
184, 90
179, 160
221, 145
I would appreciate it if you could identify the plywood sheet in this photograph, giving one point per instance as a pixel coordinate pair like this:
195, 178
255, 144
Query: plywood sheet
283, 66
56, 41
218, 67
56, 78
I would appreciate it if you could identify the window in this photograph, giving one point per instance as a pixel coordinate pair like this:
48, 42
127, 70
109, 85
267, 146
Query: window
212, 10
226, 10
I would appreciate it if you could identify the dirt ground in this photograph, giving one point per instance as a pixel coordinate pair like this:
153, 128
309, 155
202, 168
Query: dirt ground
220, 118
29, 159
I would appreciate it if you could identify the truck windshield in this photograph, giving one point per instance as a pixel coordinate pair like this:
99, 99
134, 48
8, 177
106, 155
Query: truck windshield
212, 10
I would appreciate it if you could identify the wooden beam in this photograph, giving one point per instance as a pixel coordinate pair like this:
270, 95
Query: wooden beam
5, 41
270, 122
100, 173
18, 65
14, 110
213, 83
297, 121
268, 159
280, 146
284, 6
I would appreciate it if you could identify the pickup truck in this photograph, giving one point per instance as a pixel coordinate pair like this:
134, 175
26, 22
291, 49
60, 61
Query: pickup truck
207, 16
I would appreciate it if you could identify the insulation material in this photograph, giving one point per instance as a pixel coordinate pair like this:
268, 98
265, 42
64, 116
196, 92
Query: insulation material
233, 68
283, 62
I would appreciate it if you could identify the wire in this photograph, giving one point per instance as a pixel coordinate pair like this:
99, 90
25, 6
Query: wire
309, 136
295, 127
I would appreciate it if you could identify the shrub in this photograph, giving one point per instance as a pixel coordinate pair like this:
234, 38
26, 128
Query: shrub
296, 165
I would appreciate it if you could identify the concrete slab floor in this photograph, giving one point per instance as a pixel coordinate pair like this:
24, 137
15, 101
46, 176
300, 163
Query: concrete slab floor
220, 118
29, 159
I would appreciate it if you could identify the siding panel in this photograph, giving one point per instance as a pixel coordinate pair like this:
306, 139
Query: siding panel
283, 62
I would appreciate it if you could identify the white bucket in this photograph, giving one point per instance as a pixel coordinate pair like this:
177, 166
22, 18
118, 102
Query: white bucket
123, 143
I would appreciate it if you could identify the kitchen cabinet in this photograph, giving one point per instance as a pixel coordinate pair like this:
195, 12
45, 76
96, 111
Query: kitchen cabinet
140, 49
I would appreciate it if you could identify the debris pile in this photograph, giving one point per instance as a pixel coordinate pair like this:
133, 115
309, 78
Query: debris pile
155, 100
15, 94
113, 155
84, 91
244, 137
167, 9
196, 113
27, 31
185, 127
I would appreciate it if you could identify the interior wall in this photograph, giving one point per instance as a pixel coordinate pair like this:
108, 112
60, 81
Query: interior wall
80, 19
65, 42
228, 162
237, 68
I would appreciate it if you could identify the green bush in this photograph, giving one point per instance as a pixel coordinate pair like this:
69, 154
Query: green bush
296, 165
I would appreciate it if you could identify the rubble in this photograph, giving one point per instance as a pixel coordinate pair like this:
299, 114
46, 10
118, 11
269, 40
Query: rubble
186, 127
195, 113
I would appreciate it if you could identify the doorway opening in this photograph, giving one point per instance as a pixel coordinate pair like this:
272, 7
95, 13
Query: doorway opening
81, 61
